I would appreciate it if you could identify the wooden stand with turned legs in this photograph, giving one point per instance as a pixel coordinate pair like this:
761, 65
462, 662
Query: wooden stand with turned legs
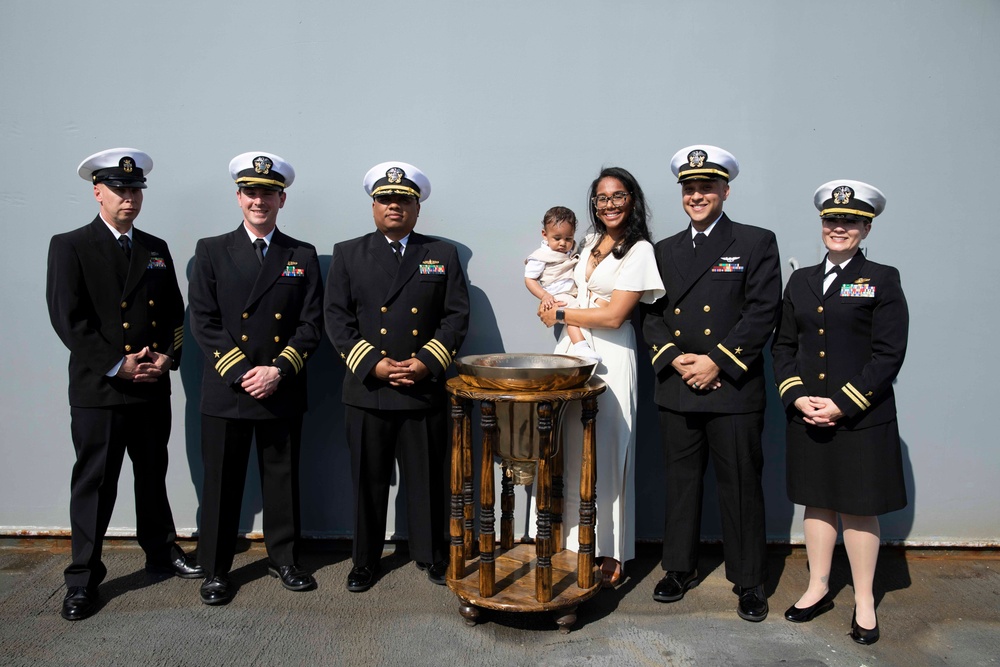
524, 577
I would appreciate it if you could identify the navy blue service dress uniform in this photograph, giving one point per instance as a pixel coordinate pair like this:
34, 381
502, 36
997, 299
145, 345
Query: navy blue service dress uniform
848, 344
837, 351
376, 307
247, 313
105, 304
722, 301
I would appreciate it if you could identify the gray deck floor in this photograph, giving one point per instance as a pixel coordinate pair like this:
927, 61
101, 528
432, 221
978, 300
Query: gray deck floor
936, 608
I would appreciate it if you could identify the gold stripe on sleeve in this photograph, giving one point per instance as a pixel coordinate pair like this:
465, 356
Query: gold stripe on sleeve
733, 357
856, 396
294, 357
357, 353
662, 350
439, 351
788, 384
228, 360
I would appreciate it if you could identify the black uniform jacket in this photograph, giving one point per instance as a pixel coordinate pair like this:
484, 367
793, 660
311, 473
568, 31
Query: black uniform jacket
723, 303
376, 307
848, 345
244, 314
104, 306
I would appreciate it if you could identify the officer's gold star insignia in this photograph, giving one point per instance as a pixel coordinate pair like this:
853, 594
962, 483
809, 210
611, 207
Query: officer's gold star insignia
217, 355
868, 394
343, 356
655, 349
738, 350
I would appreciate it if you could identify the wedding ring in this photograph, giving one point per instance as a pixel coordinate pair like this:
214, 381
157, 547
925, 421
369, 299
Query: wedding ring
695, 385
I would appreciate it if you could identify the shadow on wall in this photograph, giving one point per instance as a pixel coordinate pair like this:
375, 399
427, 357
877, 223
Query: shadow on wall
325, 489
325, 479
191, 369
484, 333
897, 526
325, 474
483, 337
327, 496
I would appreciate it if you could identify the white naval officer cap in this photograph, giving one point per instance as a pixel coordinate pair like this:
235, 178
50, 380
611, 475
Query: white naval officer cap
702, 162
837, 199
260, 169
117, 167
397, 178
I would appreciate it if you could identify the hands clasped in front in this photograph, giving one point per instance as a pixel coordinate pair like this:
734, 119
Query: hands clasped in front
261, 381
146, 365
400, 373
698, 371
818, 410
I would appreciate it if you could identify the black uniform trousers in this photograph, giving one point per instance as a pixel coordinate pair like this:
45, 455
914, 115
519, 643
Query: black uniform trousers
420, 439
734, 443
225, 452
101, 436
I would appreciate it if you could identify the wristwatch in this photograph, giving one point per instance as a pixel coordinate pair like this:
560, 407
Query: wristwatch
281, 373
560, 315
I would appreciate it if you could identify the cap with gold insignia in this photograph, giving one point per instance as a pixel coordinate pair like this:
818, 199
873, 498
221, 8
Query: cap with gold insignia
259, 169
117, 167
838, 199
702, 162
397, 178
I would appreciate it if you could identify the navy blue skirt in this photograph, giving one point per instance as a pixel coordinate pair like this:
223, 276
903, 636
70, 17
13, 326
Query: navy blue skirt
854, 472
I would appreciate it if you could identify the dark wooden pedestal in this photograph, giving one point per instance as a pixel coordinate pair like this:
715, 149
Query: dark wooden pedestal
526, 577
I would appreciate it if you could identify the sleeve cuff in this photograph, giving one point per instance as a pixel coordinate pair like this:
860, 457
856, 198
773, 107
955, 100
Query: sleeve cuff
435, 349
114, 371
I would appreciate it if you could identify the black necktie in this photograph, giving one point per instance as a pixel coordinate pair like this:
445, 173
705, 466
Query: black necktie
259, 245
835, 271
699, 238
126, 245
398, 249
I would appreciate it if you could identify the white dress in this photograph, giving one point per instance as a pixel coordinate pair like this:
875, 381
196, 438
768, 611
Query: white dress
615, 529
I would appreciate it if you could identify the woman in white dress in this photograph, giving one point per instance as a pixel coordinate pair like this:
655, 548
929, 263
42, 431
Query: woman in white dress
617, 270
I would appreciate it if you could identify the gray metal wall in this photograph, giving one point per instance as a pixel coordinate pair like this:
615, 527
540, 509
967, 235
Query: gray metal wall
512, 107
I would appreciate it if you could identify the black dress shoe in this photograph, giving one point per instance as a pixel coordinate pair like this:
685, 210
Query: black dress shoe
797, 615
181, 566
753, 604
674, 585
360, 579
437, 572
863, 635
292, 577
217, 590
79, 603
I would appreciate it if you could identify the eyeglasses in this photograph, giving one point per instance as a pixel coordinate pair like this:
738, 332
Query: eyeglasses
617, 199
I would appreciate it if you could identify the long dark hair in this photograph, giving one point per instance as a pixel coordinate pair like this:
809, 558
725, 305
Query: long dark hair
637, 223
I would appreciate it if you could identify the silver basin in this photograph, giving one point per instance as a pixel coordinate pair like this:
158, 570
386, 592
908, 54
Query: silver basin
525, 372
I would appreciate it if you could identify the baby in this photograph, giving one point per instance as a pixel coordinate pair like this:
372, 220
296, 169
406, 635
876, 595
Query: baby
548, 272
